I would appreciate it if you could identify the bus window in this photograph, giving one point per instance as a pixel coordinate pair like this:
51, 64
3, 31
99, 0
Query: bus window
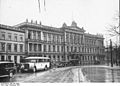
41, 60
33, 61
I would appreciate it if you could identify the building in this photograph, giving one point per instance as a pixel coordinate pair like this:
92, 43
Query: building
11, 43
80, 47
41, 40
65, 44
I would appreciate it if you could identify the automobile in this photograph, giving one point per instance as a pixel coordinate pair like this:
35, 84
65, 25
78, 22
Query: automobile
60, 64
7, 69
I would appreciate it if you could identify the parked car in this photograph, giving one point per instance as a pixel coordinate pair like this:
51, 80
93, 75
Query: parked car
7, 69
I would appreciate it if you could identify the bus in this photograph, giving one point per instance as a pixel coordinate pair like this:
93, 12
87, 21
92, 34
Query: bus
35, 63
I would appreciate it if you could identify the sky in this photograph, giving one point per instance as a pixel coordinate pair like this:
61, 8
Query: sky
93, 15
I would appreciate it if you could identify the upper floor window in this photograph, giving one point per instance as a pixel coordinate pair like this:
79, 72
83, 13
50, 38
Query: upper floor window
35, 47
67, 37
21, 47
49, 37
39, 47
39, 35
49, 48
53, 48
21, 38
2, 46
29, 35
34, 35
58, 49
15, 37
44, 48
75, 50
62, 48
45, 36
71, 48
58, 40
9, 36
67, 48
9, 47
30, 46
3, 36
53, 38
15, 47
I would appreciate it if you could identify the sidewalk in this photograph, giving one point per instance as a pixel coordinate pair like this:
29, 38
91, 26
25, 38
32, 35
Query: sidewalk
114, 67
105, 66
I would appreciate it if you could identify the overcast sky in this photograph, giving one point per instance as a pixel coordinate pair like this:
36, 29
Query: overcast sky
93, 15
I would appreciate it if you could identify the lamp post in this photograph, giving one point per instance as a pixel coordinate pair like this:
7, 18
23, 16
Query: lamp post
111, 53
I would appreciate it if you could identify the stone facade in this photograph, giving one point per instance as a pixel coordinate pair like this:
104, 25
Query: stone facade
12, 43
65, 44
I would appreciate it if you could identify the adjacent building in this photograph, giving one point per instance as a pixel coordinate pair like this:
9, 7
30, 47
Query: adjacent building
12, 43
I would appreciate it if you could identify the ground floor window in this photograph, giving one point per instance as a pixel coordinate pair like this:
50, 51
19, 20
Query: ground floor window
58, 58
9, 58
50, 57
53, 58
15, 59
2, 58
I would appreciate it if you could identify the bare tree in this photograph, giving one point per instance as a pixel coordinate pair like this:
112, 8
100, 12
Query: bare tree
114, 28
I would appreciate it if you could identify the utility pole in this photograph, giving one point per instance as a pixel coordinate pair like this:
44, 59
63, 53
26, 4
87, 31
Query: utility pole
111, 53
116, 55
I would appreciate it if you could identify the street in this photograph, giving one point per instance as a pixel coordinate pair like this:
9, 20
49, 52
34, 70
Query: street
74, 74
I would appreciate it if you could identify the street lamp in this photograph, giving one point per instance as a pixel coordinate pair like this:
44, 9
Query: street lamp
111, 53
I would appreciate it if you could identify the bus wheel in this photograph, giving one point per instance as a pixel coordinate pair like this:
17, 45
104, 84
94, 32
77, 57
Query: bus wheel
11, 74
34, 69
46, 67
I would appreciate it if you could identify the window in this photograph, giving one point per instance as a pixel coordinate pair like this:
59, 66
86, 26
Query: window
29, 35
45, 36
50, 57
49, 48
58, 58
49, 37
3, 36
62, 48
30, 46
67, 37
67, 48
21, 47
9, 36
75, 49
44, 48
39, 47
71, 48
15, 59
21, 38
9, 58
62, 58
35, 47
54, 58
53, 38
9, 47
53, 48
39, 35
15, 37
34, 35
68, 57
82, 49
3, 47
79, 49
15, 47
58, 40
2, 58
58, 49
